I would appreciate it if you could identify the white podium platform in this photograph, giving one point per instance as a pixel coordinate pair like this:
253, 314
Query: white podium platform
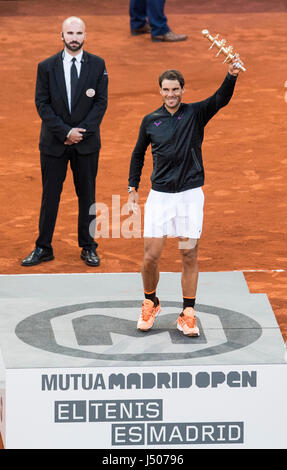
76, 373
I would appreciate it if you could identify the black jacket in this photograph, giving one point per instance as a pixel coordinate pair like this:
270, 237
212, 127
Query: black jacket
176, 141
52, 104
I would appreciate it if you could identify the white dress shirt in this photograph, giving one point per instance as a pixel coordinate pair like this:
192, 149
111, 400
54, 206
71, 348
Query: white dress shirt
67, 63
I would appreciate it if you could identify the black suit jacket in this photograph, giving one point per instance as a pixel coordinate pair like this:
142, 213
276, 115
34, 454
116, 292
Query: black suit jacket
52, 104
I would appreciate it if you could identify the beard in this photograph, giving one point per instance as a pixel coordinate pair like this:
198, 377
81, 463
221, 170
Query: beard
73, 46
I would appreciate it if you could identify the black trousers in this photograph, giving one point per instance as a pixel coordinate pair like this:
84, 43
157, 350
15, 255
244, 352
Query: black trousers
54, 170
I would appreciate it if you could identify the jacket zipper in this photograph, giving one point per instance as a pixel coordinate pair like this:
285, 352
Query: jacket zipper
194, 156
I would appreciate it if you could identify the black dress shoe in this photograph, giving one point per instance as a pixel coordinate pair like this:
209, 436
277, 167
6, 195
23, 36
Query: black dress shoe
90, 257
38, 256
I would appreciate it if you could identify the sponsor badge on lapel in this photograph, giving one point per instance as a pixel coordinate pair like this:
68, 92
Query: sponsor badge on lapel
90, 92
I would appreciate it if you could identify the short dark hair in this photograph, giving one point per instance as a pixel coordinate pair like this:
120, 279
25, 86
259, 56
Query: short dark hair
171, 75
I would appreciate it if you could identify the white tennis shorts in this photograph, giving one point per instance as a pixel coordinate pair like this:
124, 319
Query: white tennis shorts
174, 214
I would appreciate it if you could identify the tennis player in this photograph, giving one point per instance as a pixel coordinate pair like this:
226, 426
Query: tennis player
174, 207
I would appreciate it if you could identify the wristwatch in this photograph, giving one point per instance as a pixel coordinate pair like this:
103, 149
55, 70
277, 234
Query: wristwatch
131, 188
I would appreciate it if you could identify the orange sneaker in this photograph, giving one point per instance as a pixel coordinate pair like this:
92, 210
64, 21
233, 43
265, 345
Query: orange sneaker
186, 322
147, 317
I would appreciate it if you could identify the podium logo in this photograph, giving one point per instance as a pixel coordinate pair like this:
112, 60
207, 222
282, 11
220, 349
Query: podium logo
107, 331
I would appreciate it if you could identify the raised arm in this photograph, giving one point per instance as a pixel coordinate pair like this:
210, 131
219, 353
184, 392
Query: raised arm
209, 107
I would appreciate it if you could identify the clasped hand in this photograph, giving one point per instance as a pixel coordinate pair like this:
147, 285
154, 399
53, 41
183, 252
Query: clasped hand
75, 136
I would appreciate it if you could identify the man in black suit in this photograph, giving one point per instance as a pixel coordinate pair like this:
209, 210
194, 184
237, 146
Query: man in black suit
71, 99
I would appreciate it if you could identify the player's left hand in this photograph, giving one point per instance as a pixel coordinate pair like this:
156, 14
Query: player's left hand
133, 201
233, 67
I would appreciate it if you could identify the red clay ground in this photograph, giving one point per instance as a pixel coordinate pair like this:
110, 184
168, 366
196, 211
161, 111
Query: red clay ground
244, 151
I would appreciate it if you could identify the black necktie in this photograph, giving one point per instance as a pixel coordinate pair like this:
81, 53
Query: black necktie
74, 81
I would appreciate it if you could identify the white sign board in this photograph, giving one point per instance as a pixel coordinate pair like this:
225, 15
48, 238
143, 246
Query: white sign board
146, 407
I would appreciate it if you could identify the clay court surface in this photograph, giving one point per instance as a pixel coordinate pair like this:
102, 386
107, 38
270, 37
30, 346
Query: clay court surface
244, 150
